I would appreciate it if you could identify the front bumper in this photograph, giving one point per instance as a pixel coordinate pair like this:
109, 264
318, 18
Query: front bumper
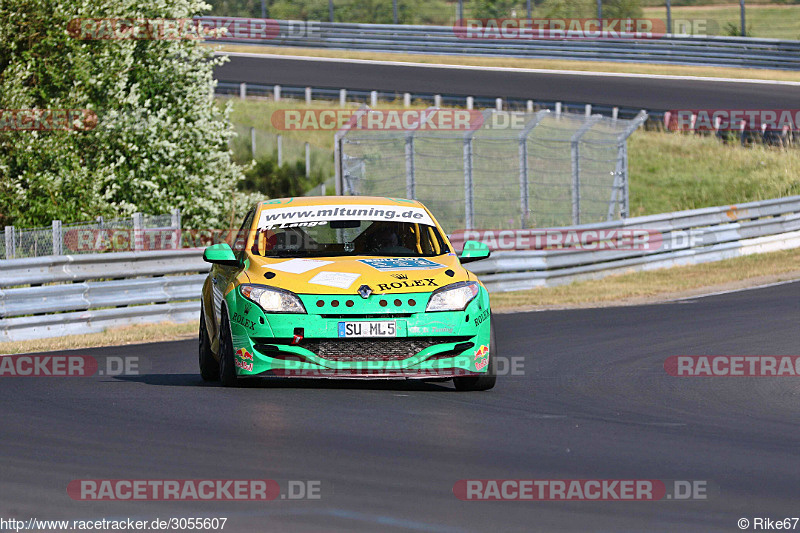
438, 345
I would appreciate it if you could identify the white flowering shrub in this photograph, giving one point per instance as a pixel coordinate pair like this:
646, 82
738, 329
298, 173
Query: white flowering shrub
157, 141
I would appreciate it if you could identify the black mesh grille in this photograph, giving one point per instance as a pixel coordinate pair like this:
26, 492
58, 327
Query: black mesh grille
371, 349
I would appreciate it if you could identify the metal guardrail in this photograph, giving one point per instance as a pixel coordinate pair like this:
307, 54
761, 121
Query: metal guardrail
165, 285
742, 52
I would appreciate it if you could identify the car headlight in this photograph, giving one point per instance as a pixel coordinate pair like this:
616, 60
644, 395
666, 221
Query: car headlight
273, 300
453, 297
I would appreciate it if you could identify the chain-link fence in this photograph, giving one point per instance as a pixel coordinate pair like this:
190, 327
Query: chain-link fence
138, 232
518, 170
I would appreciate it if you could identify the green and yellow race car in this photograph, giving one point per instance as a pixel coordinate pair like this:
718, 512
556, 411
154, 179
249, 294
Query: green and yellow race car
345, 287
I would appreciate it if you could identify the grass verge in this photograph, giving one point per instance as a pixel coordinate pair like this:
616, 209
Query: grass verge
510, 62
655, 286
137, 334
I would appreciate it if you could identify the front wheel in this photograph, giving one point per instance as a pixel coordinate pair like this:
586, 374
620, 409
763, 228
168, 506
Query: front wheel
485, 381
227, 368
209, 367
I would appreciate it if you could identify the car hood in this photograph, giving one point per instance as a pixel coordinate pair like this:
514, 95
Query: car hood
340, 275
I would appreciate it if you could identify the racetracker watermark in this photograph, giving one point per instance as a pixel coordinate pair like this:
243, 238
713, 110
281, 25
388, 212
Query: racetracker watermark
560, 28
713, 120
563, 239
67, 366
733, 365
47, 119
578, 490
164, 29
192, 490
377, 119
123, 240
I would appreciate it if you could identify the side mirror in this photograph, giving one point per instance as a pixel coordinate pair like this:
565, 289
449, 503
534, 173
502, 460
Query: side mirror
220, 254
473, 251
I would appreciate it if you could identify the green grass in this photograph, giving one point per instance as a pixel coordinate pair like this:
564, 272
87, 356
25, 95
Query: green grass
675, 171
766, 21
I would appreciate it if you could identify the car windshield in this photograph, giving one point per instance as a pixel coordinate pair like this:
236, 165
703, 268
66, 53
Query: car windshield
349, 237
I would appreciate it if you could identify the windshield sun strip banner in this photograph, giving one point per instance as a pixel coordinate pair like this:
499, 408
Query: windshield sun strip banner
276, 217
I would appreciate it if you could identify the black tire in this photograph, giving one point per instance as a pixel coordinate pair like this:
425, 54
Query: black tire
487, 380
227, 368
209, 367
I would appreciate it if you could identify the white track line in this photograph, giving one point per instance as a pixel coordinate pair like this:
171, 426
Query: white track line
511, 69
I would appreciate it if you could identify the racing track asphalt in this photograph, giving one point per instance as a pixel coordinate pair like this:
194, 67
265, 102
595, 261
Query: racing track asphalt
633, 92
594, 402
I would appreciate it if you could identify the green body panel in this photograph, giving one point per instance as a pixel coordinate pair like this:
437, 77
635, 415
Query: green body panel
249, 322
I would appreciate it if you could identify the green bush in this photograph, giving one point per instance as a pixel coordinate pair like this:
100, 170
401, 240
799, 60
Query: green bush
267, 178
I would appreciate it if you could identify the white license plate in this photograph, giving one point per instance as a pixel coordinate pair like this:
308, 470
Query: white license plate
372, 328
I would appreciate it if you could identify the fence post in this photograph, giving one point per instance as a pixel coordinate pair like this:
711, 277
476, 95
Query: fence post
176, 225
11, 243
469, 186
622, 155
410, 178
308, 160
576, 167
57, 238
524, 180
138, 237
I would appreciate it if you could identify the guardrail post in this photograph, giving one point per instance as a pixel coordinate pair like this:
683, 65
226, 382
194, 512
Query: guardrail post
176, 225
342, 97
470, 102
576, 167
498, 104
406, 99
588, 110
58, 241
280, 150
138, 236
253, 142
410, 178
524, 193
558, 109
308, 95
243, 90
529, 106
373, 98
276, 93
11, 243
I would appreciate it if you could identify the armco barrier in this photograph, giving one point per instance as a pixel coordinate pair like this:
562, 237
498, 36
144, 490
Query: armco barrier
742, 52
148, 287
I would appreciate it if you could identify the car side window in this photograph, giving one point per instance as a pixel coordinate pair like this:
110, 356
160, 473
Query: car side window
240, 243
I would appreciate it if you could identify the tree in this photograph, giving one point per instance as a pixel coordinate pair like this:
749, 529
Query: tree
157, 141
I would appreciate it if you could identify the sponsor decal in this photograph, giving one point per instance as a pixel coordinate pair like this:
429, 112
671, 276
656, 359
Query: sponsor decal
244, 354
244, 366
406, 263
483, 354
441, 330
427, 282
281, 215
243, 321
481, 317
400, 276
